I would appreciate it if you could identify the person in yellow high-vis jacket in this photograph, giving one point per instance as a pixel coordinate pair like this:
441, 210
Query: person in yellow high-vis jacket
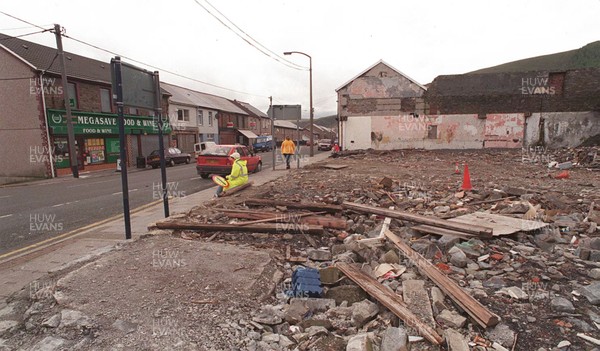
238, 175
288, 148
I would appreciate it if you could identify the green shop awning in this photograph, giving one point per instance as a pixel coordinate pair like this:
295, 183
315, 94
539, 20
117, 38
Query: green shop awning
104, 123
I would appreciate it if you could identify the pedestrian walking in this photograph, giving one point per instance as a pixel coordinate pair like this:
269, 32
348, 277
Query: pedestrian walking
288, 148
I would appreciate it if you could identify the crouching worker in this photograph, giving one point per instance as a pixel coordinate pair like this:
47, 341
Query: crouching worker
238, 176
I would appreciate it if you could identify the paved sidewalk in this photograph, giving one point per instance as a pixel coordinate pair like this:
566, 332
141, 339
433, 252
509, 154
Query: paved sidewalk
30, 267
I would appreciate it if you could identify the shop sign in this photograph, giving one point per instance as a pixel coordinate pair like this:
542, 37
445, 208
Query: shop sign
104, 123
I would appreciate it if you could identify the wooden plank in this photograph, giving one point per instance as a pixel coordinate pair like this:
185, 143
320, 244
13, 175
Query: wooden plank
256, 228
391, 301
325, 221
484, 232
236, 189
502, 225
312, 206
474, 308
427, 229
417, 300
281, 217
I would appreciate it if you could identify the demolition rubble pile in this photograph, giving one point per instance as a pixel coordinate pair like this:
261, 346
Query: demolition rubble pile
370, 251
408, 262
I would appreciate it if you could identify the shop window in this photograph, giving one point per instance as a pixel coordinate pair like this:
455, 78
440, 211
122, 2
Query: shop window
133, 111
210, 118
106, 106
72, 89
183, 115
200, 117
151, 113
94, 151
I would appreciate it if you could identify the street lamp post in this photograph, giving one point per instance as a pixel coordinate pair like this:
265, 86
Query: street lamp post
312, 150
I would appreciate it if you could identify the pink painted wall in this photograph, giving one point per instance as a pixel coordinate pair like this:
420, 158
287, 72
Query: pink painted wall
504, 130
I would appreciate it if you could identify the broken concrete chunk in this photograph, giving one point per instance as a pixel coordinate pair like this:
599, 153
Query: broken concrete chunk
350, 293
394, 339
451, 319
363, 311
455, 340
319, 255
592, 293
72, 318
502, 334
360, 342
459, 258
50, 343
560, 304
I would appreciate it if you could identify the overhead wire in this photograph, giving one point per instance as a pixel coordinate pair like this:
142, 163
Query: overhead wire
256, 41
126, 57
24, 35
22, 20
264, 51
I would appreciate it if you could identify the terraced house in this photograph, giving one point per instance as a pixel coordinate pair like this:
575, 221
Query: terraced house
32, 114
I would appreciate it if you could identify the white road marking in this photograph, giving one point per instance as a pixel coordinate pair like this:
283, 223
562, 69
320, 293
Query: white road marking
8, 215
195, 178
58, 205
120, 192
2, 197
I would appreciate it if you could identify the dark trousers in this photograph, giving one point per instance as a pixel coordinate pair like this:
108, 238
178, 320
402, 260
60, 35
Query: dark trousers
288, 157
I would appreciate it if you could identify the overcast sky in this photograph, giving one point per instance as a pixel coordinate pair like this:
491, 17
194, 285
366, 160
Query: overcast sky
423, 39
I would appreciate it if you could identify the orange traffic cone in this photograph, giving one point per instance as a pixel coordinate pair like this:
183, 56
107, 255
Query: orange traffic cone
456, 170
466, 185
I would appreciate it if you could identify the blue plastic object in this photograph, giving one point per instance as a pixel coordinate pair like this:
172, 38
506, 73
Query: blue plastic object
306, 282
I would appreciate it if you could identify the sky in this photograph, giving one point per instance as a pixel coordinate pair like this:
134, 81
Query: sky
421, 38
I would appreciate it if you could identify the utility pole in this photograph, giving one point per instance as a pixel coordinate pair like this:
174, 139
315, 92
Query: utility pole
273, 129
65, 85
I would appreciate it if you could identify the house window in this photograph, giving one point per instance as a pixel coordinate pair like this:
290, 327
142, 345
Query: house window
210, 137
133, 111
183, 115
151, 113
105, 100
72, 89
210, 118
200, 117
431, 132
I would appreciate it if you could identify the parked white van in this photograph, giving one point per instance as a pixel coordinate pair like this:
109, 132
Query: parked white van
199, 147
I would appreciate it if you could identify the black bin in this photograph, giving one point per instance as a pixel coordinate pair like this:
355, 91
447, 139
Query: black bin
141, 162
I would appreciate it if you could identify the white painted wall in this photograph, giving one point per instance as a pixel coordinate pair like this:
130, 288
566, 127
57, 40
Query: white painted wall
357, 133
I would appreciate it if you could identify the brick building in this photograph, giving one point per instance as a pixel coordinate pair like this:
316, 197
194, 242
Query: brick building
32, 113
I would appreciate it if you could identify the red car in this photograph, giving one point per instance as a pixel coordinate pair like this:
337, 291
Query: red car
215, 160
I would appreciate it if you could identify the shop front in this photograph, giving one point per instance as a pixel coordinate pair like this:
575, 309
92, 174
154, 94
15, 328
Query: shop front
97, 138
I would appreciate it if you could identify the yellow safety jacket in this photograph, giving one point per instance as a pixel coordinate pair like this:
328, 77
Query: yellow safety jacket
239, 174
288, 147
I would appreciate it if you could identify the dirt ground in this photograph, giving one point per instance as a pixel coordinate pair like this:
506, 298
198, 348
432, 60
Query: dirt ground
199, 291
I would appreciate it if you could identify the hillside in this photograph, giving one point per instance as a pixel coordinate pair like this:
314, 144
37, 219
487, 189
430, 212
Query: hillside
328, 122
587, 56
